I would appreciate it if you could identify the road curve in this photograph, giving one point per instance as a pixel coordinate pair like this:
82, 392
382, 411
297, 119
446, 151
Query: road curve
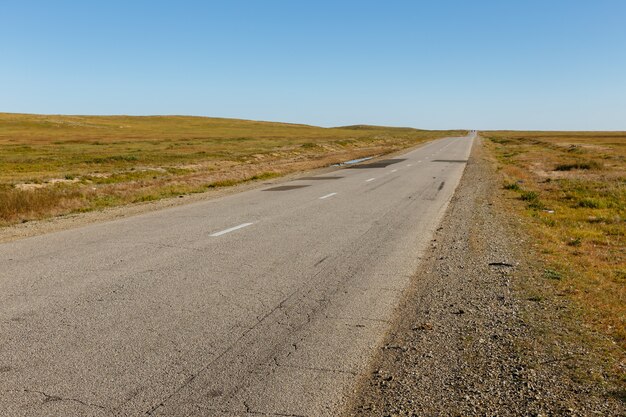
267, 302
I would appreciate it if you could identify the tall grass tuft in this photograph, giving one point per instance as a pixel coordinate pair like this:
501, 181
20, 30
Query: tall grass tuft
578, 165
23, 205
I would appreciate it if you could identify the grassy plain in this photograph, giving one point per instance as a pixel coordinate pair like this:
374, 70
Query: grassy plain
571, 188
52, 165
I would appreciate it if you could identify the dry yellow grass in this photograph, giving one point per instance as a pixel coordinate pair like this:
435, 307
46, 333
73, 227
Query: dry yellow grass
52, 165
571, 186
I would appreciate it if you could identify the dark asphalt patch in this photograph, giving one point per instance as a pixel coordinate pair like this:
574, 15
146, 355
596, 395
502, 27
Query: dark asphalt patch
379, 164
286, 187
320, 178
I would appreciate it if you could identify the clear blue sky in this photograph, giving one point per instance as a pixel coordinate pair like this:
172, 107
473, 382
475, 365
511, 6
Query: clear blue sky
521, 64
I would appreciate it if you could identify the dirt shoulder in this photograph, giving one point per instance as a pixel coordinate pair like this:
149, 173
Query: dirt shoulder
479, 332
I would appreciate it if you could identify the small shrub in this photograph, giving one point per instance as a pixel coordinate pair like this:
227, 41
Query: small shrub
512, 186
594, 219
510, 154
575, 149
529, 196
114, 158
552, 274
500, 140
589, 203
575, 242
224, 183
265, 176
579, 165
620, 275
536, 204
532, 197
548, 221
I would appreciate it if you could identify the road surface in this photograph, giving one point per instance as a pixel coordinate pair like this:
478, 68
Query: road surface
266, 302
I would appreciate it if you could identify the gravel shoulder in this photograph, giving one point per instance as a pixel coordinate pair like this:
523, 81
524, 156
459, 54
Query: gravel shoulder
481, 332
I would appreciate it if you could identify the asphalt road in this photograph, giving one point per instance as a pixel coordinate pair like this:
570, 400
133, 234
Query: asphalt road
266, 302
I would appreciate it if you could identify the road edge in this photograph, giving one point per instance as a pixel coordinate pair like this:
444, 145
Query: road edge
471, 335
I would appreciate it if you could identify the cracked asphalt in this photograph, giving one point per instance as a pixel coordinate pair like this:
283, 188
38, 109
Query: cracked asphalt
267, 302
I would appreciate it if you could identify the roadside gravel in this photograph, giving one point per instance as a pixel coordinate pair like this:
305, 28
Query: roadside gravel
480, 332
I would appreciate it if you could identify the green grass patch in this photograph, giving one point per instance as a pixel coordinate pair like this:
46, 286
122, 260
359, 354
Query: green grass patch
581, 177
552, 274
514, 186
114, 158
590, 203
529, 196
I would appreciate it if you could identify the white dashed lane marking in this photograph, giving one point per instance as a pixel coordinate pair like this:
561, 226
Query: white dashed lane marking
232, 229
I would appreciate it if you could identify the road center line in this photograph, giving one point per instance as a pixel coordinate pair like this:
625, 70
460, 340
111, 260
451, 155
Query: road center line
371, 179
327, 195
394, 170
409, 165
232, 229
